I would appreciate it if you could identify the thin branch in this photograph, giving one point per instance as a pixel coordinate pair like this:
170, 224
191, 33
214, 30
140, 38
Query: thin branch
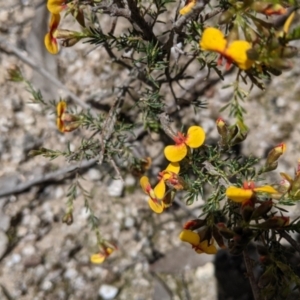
52, 176
254, 287
6, 46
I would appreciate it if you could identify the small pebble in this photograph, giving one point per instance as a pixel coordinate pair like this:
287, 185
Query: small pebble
94, 174
46, 285
116, 187
108, 291
129, 222
130, 181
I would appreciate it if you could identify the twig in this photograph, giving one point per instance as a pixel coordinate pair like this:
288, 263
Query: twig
52, 176
254, 287
286, 236
6, 46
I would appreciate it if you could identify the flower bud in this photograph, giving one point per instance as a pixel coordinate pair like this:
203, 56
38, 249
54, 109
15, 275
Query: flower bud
274, 71
194, 224
288, 52
263, 27
252, 54
225, 17
218, 237
281, 64
68, 218
238, 133
71, 126
69, 42
79, 15
66, 117
261, 210
233, 35
272, 158
247, 209
273, 44
222, 128
274, 223
225, 232
250, 34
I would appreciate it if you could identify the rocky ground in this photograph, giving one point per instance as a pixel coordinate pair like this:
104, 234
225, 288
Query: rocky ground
42, 258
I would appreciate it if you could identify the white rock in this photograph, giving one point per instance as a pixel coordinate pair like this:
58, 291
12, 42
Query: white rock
28, 250
108, 291
46, 285
116, 187
94, 174
59, 193
39, 271
15, 258
3, 243
70, 274
130, 181
129, 222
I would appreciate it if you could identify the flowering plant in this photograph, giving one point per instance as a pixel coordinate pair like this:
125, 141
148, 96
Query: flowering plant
241, 205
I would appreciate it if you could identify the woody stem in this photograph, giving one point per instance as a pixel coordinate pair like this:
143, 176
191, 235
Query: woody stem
254, 287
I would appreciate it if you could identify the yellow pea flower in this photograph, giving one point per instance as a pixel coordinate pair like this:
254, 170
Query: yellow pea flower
160, 188
99, 258
155, 204
66, 122
194, 139
288, 22
242, 195
50, 39
60, 110
213, 40
189, 4
156, 195
193, 238
56, 6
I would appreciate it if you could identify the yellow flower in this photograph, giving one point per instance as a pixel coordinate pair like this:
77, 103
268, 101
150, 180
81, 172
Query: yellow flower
60, 110
288, 22
157, 195
56, 6
194, 139
160, 188
242, 195
155, 204
50, 39
189, 4
99, 258
193, 238
66, 122
213, 40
